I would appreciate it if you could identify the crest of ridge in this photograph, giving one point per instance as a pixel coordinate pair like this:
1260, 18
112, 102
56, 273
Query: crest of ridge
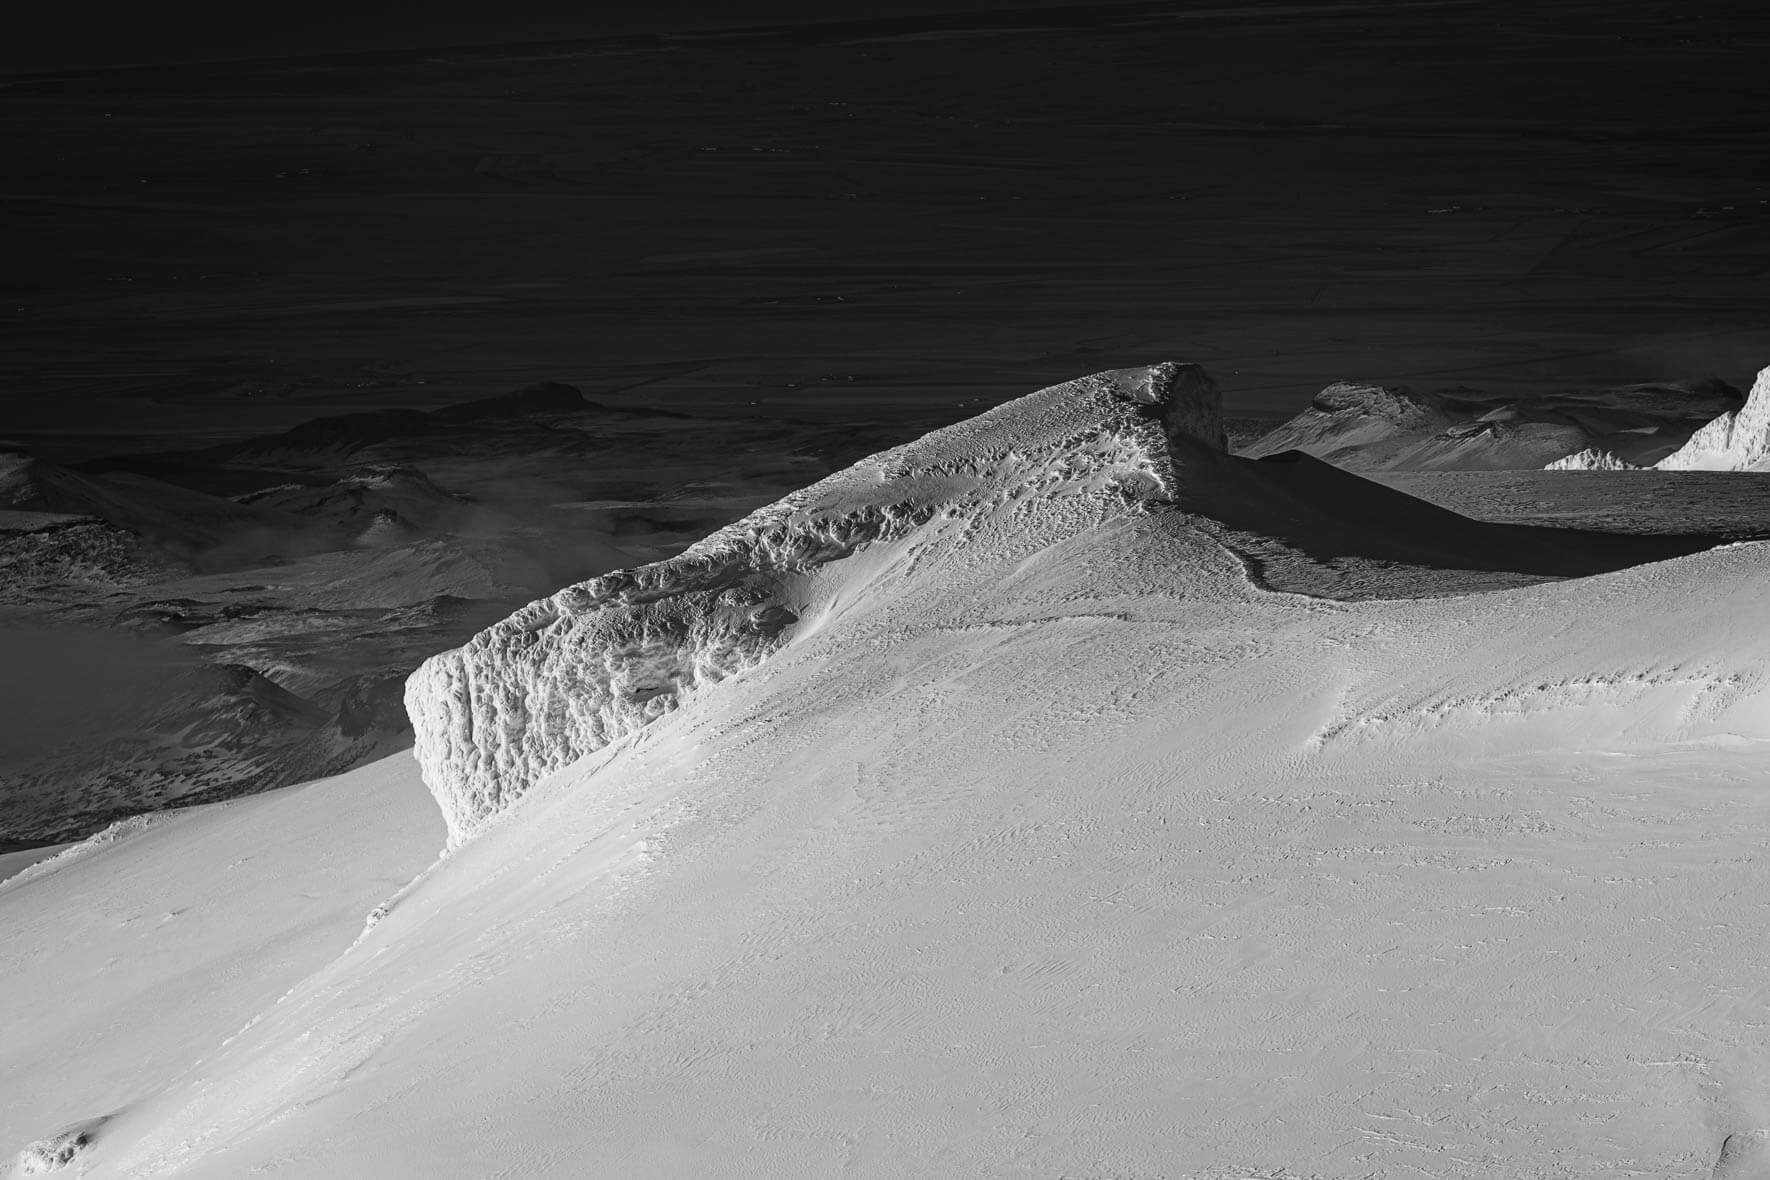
569, 674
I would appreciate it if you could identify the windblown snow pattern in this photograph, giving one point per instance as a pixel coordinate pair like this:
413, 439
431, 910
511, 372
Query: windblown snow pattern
569, 674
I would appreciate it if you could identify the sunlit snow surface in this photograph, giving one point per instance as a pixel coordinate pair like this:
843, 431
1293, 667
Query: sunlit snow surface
1042, 842
1738, 441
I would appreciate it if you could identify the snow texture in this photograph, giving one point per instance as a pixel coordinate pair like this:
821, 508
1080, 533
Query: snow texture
52, 1153
598, 661
1736, 441
1044, 843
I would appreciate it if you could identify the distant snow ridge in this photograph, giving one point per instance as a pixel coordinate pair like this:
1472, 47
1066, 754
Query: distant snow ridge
1591, 459
569, 674
1736, 441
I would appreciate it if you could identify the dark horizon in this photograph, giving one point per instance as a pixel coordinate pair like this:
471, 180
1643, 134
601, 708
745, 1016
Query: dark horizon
83, 40
911, 212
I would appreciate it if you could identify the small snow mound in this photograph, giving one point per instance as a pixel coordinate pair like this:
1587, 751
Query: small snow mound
1591, 459
1735, 441
598, 661
54, 1152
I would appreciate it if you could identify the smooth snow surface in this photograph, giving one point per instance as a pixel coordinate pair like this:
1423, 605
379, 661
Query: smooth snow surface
1736, 441
1042, 843
131, 956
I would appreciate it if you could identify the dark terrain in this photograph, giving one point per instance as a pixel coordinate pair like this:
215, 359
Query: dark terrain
908, 218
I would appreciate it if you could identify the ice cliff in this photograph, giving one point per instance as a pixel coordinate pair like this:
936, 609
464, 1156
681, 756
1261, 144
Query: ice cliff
600, 660
1736, 441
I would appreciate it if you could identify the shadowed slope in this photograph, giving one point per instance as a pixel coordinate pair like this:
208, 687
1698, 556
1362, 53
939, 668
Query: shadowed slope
1313, 528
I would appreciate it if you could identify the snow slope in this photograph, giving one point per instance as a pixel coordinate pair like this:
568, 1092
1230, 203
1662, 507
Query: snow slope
1041, 842
568, 674
1736, 441
131, 955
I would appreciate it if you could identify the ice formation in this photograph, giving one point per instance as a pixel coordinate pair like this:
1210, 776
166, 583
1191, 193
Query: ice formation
1736, 441
54, 1153
1591, 459
571, 673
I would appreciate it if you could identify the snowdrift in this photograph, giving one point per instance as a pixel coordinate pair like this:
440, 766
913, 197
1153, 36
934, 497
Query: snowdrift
571, 673
598, 661
1041, 839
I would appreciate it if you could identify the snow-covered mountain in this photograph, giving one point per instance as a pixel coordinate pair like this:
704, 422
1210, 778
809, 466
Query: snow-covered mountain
977, 811
1371, 428
1735, 441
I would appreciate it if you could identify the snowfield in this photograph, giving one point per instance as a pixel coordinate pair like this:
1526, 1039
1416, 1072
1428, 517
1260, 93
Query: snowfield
971, 813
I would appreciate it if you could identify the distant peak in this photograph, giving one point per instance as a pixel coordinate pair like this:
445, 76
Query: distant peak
1398, 404
1591, 459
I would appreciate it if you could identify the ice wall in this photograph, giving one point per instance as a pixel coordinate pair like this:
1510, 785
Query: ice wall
598, 661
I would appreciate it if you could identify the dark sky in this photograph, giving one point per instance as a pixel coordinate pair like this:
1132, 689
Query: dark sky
114, 33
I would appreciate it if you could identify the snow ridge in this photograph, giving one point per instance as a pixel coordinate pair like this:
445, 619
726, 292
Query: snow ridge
599, 661
1736, 441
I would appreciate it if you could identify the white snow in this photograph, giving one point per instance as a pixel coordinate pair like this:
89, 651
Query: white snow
1590, 459
1735, 441
571, 673
130, 956
1041, 843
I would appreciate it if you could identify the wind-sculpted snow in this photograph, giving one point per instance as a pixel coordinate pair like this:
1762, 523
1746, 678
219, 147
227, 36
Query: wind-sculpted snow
1736, 441
598, 661
1591, 459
